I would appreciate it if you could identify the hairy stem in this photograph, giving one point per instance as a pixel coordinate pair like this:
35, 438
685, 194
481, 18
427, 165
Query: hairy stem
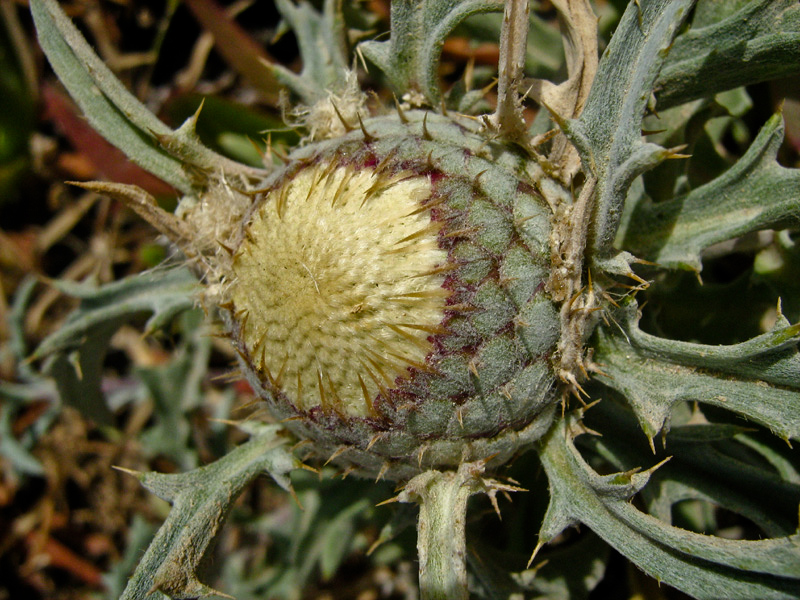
441, 540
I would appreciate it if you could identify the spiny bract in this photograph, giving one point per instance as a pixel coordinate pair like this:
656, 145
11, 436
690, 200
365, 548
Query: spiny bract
425, 290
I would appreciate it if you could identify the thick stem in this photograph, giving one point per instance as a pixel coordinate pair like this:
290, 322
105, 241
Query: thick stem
441, 540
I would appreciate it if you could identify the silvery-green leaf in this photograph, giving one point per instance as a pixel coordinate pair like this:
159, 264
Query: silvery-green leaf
608, 134
321, 40
12, 450
756, 193
653, 386
176, 389
308, 537
200, 502
702, 566
760, 42
116, 114
772, 357
78, 373
30, 387
708, 462
419, 28
77, 349
162, 292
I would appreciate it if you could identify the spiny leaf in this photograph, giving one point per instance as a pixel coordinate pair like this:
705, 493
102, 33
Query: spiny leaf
772, 357
200, 502
608, 132
176, 390
756, 193
11, 449
321, 38
760, 42
700, 565
419, 27
115, 112
164, 292
16, 396
653, 386
78, 374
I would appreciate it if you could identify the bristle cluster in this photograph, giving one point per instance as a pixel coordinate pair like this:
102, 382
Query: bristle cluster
338, 284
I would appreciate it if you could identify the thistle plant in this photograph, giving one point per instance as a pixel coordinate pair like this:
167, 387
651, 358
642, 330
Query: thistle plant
428, 289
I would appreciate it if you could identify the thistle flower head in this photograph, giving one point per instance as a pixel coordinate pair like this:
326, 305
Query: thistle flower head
337, 285
390, 304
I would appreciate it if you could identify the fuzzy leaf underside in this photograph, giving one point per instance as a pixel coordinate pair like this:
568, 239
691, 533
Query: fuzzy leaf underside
419, 28
755, 193
702, 566
608, 134
321, 41
760, 42
653, 384
200, 502
115, 113
78, 348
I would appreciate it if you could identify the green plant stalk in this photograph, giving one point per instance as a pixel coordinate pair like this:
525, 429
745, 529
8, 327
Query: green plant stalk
441, 540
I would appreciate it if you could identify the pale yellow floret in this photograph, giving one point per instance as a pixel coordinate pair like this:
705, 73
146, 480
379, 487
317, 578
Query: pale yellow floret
338, 282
